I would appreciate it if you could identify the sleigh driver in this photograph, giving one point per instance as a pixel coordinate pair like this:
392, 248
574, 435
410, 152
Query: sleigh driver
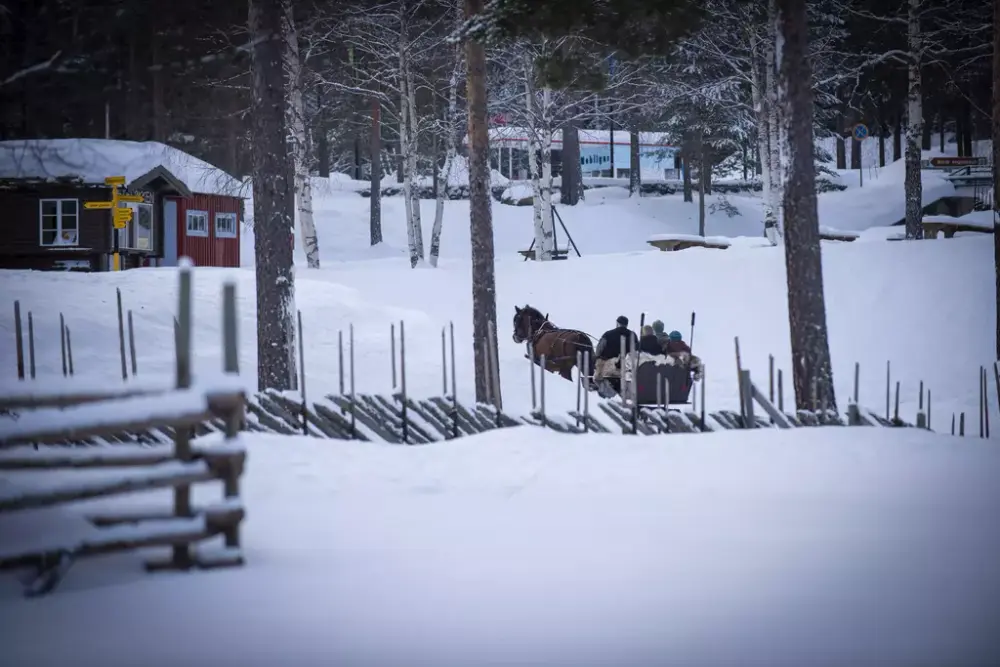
607, 373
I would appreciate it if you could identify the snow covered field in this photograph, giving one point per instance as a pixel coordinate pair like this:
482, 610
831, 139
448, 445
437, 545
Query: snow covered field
819, 547
810, 547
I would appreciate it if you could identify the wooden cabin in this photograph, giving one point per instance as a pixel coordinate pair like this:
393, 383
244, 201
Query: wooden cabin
189, 208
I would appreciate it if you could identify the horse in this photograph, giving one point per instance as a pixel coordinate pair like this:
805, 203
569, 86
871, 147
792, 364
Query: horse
560, 346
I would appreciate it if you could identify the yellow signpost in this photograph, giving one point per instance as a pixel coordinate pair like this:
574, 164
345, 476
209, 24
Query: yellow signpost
120, 216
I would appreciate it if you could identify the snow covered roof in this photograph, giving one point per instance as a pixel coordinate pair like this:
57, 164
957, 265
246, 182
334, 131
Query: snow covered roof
508, 135
92, 160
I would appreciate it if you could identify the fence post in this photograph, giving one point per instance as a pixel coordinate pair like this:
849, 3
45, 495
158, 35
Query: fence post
302, 375
182, 437
444, 364
888, 386
69, 351
541, 392
531, 368
354, 425
131, 343
236, 418
896, 412
340, 362
62, 343
770, 377
392, 353
857, 380
586, 395
18, 340
402, 381
494, 355
454, 391
121, 333
739, 380
31, 346
746, 393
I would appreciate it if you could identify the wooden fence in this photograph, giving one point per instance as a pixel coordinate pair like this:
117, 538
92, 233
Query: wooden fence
129, 415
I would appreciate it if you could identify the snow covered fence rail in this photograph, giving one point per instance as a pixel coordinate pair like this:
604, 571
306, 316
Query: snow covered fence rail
148, 468
41, 413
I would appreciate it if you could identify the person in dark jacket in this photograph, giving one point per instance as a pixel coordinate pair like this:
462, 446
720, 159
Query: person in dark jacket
675, 344
649, 343
661, 335
609, 349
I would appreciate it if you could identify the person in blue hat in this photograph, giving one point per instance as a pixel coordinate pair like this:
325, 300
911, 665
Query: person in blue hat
676, 344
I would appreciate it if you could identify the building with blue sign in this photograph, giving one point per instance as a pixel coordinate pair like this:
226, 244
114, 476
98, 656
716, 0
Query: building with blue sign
657, 160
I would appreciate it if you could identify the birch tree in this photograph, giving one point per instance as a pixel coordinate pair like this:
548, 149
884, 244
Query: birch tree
450, 128
913, 185
300, 143
811, 368
274, 197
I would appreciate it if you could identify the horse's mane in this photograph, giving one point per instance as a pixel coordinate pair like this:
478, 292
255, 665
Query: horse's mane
533, 312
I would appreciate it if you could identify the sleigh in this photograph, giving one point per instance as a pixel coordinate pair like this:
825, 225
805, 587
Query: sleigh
655, 378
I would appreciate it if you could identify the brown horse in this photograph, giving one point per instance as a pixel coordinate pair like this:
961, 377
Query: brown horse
559, 346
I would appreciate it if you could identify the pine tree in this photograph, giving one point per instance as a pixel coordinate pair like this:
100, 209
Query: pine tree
811, 369
274, 198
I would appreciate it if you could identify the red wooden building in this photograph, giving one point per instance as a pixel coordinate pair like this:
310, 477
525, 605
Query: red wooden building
189, 208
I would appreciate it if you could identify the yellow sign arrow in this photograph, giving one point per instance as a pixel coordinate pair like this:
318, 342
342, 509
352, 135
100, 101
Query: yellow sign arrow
97, 204
135, 199
114, 180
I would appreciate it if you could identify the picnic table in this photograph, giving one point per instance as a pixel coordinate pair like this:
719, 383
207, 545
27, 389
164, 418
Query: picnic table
671, 242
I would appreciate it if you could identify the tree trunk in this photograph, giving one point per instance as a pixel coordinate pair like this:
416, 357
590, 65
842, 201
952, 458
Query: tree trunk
159, 106
297, 125
773, 215
811, 368
375, 204
634, 175
841, 153
996, 160
912, 184
413, 154
484, 305
571, 171
855, 153
942, 119
408, 145
897, 139
273, 198
926, 141
686, 168
881, 144
451, 149
969, 128
548, 225
702, 180
322, 138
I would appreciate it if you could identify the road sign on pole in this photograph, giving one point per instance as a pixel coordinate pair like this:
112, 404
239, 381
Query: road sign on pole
134, 199
860, 131
98, 204
114, 180
122, 217
953, 161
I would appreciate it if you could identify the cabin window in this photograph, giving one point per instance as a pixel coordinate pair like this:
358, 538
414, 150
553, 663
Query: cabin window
59, 222
197, 223
225, 225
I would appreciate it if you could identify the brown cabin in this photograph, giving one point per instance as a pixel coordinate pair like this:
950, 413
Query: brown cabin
189, 208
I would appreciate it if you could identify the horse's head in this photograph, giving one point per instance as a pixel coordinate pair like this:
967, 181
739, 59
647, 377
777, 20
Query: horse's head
527, 321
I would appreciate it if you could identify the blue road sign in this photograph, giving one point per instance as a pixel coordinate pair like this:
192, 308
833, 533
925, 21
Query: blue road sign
860, 131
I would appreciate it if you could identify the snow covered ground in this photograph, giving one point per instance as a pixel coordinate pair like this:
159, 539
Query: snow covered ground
820, 547
833, 546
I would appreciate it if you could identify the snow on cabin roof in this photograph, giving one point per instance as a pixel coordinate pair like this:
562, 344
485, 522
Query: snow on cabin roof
506, 135
92, 160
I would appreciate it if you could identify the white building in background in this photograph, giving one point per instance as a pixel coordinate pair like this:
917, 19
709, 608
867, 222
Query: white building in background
657, 159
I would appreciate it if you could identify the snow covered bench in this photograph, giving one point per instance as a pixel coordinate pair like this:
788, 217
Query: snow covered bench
671, 242
831, 234
976, 221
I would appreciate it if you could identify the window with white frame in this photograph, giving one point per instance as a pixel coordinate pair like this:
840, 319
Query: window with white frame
59, 222
197, 223
225, 225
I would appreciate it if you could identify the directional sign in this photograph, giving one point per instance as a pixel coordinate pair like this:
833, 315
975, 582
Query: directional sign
114, 180
957, 161
98, 204
122, 216
860, 131
135, 199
